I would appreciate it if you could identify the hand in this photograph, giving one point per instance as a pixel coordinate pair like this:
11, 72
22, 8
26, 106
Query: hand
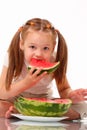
78, 95
33, 77
10, 110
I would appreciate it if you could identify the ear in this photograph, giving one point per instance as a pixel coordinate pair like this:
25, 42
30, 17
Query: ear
21, 45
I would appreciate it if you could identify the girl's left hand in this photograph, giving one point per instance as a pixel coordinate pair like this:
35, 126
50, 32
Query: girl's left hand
78, 95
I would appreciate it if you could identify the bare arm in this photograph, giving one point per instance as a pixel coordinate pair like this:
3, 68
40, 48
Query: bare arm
18, 87
76, 96
15, 90
64, 89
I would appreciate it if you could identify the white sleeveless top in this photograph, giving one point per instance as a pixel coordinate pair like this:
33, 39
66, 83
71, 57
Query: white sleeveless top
43, 87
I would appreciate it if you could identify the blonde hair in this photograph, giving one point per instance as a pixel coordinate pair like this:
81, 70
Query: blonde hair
16, 56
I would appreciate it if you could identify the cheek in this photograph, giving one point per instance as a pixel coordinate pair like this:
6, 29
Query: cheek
27, 56
48, 57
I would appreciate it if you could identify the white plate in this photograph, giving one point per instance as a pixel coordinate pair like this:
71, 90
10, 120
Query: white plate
36, 123
39, 118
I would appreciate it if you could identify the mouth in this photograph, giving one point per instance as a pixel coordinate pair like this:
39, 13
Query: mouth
39, 59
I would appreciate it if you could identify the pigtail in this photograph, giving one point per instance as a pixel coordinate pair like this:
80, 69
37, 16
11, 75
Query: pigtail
15, 59
62, 57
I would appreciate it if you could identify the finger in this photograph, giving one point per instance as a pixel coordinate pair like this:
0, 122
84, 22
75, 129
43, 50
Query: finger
37, 72
8, 114
32, 70
85, 91
85, 99
11, 108
81, 92
84, 94
41, 75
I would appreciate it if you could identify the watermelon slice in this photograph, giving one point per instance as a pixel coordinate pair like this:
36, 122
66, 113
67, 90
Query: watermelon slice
46, 66
42, 106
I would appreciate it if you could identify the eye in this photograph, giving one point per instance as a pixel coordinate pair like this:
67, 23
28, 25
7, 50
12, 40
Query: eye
32, 47
46, 48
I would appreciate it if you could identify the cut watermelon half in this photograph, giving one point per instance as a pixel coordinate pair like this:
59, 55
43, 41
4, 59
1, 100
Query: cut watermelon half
42, 106
46, 66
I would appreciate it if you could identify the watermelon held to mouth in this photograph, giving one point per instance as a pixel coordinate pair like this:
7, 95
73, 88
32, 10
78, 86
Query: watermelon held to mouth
46, 66
42, 106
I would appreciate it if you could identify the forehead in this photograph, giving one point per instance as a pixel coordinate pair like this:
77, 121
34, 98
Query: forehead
39, 36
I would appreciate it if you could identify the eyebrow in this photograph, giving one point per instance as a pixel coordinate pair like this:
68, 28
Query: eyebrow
36, 43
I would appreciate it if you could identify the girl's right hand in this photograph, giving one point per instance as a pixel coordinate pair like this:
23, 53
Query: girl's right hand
10, 110
34, 76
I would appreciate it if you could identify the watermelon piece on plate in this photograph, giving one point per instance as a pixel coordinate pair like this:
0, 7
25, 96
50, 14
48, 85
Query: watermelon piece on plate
46, 66
42, 106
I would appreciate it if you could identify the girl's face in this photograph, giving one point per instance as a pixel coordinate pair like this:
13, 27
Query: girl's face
39, 45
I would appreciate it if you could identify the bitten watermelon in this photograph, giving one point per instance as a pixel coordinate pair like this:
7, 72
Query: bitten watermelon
46, 66
42, 106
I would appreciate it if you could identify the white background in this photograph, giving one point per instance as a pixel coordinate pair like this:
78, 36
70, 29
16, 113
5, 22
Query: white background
69, 16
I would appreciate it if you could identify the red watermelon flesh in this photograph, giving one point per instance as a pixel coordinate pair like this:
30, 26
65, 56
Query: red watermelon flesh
46, 66
55, 100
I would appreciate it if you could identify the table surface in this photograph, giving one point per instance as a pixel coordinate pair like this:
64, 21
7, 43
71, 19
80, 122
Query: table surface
13, 124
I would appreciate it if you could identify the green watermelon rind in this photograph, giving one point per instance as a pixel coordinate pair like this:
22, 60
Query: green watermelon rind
49, 70
37, 108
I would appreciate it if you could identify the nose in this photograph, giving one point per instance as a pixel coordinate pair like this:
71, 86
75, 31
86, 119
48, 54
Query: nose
38, 53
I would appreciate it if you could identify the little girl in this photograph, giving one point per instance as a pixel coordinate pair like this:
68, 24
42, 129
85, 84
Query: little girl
37, 39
